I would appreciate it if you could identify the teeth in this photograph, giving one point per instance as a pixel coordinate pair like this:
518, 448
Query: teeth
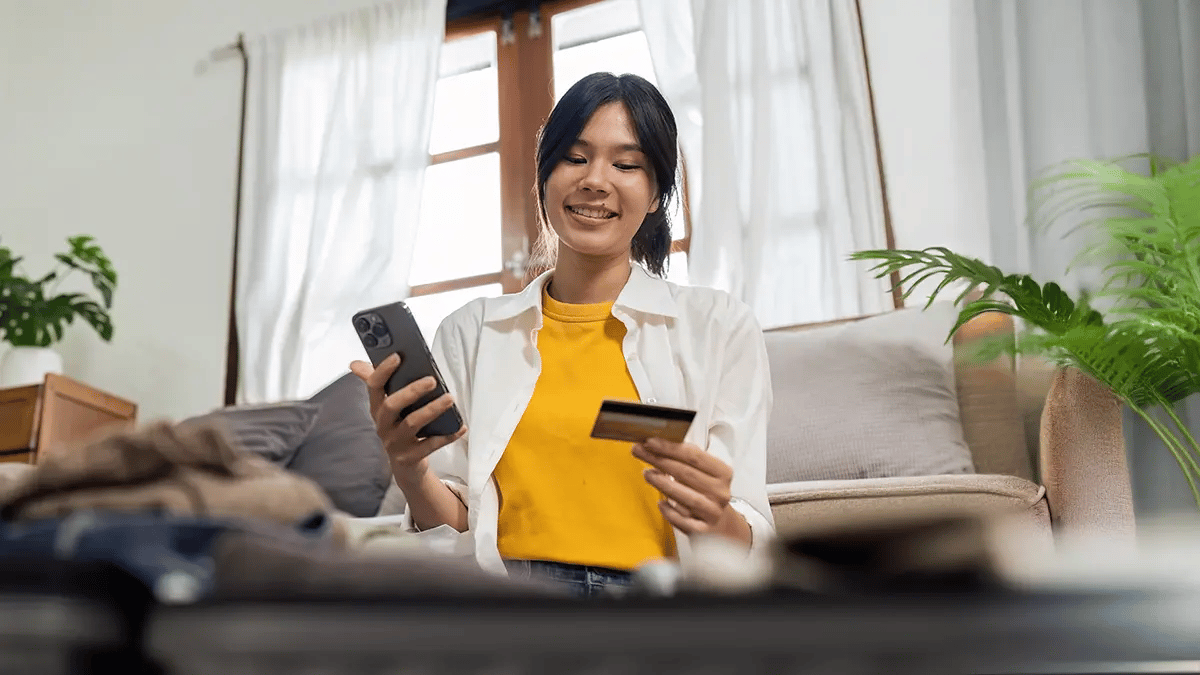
591, 213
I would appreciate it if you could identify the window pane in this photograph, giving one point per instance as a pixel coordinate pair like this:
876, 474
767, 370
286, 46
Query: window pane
466, 108
429, 310
459, 232
624, 54
595, 22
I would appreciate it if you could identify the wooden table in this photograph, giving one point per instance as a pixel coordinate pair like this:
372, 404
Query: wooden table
38, 418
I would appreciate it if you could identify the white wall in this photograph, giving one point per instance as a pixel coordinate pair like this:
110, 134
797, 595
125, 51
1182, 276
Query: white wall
106, 128
928, 106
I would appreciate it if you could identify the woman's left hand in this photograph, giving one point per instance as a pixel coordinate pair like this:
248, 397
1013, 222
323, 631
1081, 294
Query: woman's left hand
696, 486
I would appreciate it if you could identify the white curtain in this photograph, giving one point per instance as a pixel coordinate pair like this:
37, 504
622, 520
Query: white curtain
339, 115
1085, 78
775, 125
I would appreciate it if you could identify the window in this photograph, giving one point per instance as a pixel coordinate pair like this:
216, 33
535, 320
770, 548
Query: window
477, 221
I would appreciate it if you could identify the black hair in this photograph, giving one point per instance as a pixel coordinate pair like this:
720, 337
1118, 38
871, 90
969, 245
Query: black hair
654, 125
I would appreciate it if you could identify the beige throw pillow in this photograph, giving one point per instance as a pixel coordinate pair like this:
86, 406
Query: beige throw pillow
866, 399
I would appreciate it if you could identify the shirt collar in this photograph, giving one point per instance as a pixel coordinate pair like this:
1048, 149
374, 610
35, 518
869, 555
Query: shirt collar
642, 293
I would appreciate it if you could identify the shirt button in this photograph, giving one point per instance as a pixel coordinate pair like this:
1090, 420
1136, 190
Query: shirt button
651, 400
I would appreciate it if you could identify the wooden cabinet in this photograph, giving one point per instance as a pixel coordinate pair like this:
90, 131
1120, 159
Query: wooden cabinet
38, 418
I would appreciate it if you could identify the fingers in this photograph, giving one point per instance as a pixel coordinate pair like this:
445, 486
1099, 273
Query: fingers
690, 476
429, 445
715, 487
417, 419
375, 377
389, 411
683, 521
362, 369
414, 452
690, 502
689, 454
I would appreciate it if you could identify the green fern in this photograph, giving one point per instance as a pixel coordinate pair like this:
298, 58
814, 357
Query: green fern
1146, 348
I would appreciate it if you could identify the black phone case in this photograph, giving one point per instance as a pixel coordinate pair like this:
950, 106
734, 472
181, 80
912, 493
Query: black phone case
393, 330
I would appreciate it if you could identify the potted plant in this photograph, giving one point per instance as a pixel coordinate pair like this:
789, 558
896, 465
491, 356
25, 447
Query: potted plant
34, 315
1145, 346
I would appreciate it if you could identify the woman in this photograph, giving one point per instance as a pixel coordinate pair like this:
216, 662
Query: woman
529, 488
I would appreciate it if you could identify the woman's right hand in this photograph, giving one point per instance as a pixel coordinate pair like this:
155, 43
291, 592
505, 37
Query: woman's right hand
407, 452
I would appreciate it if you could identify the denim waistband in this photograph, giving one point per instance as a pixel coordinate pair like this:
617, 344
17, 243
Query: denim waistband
583, 580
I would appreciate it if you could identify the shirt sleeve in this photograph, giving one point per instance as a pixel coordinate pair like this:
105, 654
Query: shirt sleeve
449, 463
739, 422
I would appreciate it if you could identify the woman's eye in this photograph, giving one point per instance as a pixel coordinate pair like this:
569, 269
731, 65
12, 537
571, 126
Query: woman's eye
575, 160
627, 167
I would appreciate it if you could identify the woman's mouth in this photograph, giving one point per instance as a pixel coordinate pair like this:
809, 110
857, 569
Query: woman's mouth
592, 212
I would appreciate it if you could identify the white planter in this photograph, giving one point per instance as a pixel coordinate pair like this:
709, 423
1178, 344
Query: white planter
28, 365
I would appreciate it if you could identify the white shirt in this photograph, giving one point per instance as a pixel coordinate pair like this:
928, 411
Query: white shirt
686, 347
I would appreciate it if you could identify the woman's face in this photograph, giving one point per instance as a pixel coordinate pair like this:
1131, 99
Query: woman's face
598, 195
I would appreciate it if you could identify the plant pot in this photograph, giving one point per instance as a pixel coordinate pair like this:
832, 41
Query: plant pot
28, 365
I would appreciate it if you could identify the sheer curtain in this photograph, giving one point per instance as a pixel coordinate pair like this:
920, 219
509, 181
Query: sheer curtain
1086, 78
775, 125
338, 122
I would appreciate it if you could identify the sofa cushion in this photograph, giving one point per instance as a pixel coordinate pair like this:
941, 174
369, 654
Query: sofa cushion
821, 506
342, 453
273, 431
866, 399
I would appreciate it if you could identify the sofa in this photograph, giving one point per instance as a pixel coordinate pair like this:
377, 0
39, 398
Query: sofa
878, 417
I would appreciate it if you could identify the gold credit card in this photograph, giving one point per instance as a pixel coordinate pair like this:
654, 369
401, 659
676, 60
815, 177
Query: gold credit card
637, 422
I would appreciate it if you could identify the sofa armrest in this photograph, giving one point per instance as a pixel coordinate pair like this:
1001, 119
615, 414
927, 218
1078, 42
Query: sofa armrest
1083, 463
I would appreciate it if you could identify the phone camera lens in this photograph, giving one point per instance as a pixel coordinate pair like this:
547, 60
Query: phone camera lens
362, 325
379, 330
370, 341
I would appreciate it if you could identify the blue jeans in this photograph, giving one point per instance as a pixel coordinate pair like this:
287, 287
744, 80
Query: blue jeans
584, 581
171, 554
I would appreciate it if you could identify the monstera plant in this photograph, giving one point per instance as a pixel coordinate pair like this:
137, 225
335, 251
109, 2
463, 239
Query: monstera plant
1145, 344
34, 314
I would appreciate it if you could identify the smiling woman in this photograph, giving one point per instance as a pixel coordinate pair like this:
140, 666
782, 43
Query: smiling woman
532, 491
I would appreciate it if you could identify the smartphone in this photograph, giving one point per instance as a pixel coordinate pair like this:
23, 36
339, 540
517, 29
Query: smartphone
391, 329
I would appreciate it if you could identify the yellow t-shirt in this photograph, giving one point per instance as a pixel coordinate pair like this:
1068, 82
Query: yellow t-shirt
565, 496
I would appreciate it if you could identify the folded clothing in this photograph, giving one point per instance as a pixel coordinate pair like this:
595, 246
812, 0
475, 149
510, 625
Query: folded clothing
193, 470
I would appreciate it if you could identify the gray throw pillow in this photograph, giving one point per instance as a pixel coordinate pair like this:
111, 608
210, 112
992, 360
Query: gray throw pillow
342, 452
273, 431
874, 398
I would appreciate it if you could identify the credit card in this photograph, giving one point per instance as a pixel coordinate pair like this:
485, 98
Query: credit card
636, 422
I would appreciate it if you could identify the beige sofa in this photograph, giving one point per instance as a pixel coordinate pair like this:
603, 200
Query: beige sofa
1045, 446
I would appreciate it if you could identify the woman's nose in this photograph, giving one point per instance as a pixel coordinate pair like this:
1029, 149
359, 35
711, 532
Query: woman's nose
595, 178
